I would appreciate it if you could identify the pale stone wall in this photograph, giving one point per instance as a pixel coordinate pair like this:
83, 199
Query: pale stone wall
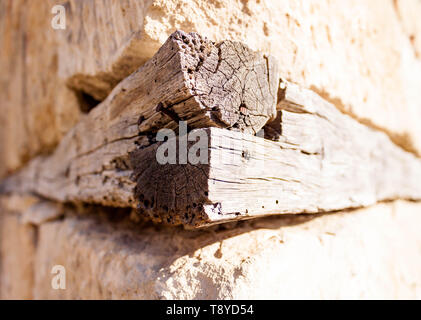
17, 249
362, 55
370, 253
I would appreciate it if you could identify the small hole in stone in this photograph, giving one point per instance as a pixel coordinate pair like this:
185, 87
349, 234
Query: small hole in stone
86, 101
67, 172
277, 201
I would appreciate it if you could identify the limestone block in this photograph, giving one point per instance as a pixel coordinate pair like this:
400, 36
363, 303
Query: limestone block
36, 107
362, 55
369, 253
17, 250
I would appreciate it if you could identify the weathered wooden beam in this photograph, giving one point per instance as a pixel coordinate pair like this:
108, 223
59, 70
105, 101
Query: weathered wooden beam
190, 78
317, 159
322, 161
316, 166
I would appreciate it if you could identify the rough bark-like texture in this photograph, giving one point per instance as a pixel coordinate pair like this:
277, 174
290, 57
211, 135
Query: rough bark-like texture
222, 77
189, 79
322, 161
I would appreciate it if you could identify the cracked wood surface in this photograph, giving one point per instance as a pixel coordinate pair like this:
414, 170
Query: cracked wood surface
322, 160
190, 78
317, 159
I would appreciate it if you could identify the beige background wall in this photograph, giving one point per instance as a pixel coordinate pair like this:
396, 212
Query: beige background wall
362, 55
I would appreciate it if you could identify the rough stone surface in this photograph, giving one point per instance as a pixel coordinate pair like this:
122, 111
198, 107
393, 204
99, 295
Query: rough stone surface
36, 107
17, 249
369, 253
363, 55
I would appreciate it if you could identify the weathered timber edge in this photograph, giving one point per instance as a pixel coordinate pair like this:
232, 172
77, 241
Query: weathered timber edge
315, 160
322, 160
191, 79
248, 177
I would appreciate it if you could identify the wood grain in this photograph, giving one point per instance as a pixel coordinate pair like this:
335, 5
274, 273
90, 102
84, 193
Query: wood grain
319, 164
190, 78
322, 160
311, 159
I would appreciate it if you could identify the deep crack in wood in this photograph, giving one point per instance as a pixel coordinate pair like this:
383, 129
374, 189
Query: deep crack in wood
314, 158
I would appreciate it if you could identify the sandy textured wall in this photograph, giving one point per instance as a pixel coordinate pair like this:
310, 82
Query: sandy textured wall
362, 55
369, 253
